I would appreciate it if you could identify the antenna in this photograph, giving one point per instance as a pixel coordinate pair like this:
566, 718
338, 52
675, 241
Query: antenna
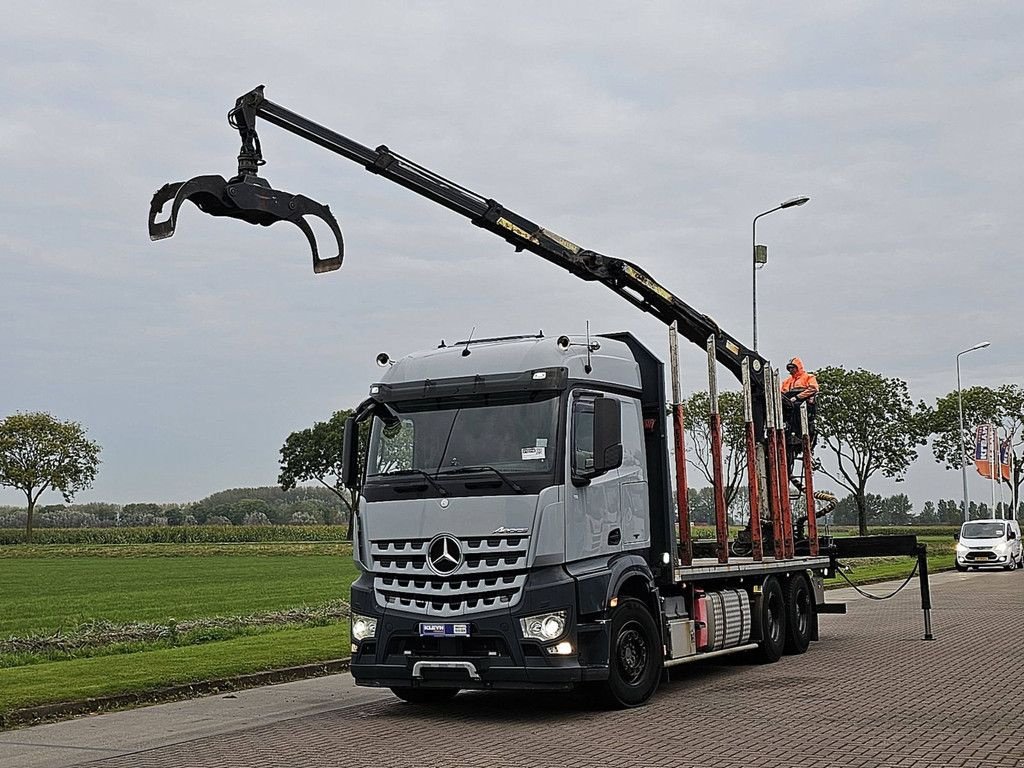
465, 352
588, 367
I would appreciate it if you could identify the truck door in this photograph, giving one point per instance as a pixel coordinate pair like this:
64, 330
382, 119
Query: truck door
592, 512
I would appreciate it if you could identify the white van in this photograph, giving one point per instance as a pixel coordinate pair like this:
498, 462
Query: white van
989, 542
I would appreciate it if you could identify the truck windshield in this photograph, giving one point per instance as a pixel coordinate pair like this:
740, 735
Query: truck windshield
982, 531
512, 433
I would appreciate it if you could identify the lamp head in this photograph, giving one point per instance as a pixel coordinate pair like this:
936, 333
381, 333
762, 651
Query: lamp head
794, 202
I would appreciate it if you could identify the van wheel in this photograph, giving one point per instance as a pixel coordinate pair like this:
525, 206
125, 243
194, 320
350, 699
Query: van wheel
634, 656
799, 614
425, 695
773, 622
1012, 565
959, 567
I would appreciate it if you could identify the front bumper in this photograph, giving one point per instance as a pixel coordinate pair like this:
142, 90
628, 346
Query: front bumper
981, 558
495, 655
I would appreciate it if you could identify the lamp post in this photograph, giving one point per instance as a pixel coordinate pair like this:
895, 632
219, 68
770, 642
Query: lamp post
963, 442
788, 204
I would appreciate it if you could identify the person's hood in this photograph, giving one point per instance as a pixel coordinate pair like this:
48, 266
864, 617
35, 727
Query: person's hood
799, 366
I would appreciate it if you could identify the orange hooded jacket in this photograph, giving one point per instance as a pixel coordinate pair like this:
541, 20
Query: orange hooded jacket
802, 380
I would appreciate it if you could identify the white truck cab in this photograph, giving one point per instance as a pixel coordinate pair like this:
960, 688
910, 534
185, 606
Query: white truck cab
989, 543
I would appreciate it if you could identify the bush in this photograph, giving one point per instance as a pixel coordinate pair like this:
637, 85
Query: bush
201, 534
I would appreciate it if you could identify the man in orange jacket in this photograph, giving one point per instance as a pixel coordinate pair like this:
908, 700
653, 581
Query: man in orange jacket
800, 385
799, 388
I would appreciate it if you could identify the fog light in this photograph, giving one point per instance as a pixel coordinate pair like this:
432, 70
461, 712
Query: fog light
545, 626
564, 648
363, 627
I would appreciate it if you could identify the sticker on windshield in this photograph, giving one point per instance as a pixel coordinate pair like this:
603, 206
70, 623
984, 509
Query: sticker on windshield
534, 453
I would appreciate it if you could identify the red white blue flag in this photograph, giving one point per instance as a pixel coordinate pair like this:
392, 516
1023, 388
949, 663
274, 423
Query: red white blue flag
1004, 459
983, 450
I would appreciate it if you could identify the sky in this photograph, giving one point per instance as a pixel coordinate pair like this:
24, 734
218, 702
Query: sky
650, 131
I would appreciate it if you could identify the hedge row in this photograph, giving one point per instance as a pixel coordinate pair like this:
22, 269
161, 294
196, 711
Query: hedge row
199, 534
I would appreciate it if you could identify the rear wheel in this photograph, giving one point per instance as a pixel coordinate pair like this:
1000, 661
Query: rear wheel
425, 695
799, 614
634, 656
772, 619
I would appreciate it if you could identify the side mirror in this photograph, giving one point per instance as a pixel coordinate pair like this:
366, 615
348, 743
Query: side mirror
1010, 534
957, 535
607, 435
350, 454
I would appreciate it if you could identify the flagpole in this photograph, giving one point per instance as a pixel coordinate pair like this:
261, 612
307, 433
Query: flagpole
993, 463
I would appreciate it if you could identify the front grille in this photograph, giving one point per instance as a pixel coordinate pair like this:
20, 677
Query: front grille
981, 555
481, 647
492, 575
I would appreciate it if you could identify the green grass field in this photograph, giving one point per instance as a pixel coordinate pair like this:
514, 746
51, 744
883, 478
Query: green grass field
43, 591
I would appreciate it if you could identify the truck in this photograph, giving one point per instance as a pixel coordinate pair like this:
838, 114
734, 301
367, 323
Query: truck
517, 525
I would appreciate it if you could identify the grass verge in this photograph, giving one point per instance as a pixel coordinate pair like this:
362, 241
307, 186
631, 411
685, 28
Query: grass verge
78, 679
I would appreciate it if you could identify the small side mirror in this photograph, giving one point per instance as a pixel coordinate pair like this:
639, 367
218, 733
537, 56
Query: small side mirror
957, 535
1010, 534
607, 435
350, 454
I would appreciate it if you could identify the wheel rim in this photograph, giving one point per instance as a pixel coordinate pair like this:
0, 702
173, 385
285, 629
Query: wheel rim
775, 617
803, 611
631, 653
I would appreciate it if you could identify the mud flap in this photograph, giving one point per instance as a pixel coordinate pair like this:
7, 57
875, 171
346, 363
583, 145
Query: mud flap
250, 199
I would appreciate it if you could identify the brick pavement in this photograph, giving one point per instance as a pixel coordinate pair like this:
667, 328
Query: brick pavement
871, 693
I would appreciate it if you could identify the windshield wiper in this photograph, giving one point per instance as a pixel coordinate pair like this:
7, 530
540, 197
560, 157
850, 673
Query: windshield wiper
437, 486
484, 468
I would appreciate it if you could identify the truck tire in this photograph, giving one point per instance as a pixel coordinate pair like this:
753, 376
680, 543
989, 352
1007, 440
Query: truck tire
799, 614
634, 656
425, 695
772, 618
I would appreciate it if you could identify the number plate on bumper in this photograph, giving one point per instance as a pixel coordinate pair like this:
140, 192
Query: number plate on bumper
444, 630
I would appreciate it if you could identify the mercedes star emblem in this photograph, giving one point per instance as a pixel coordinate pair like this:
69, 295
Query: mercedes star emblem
444, 554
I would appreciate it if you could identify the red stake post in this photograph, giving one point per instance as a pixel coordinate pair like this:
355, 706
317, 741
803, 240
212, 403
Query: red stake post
679, 431
774, 497
757, 548
812, 520
721, 519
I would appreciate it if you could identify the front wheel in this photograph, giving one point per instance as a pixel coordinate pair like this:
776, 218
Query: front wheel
634, 657
961, 568
425, 695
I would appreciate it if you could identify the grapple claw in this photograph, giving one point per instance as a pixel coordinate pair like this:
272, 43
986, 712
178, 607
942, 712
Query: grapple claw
250, 199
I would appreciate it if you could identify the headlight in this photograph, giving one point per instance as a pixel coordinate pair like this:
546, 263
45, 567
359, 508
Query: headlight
545, 626
363, 627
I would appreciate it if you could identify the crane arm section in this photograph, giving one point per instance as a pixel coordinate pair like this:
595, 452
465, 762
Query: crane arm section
623, 277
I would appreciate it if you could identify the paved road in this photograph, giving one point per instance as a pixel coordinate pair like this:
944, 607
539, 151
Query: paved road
871, 693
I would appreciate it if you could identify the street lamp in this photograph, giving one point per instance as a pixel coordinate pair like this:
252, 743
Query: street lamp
963, 442
764, 252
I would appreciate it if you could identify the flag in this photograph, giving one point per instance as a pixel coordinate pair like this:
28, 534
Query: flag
1004, 459
982, 451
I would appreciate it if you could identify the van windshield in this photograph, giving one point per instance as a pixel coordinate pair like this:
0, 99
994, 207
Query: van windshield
987, 530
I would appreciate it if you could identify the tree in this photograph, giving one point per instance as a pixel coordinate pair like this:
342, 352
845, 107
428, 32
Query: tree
40, 453
734, 440
869, 424
928, 515
315, 454
1003, 406
896, 510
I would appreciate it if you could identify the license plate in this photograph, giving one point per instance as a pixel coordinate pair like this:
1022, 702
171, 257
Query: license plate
444, 630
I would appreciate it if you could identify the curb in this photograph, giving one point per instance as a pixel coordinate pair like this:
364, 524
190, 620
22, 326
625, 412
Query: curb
67, 709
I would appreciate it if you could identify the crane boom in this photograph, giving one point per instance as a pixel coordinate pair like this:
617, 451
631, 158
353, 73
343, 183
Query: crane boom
249, 197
